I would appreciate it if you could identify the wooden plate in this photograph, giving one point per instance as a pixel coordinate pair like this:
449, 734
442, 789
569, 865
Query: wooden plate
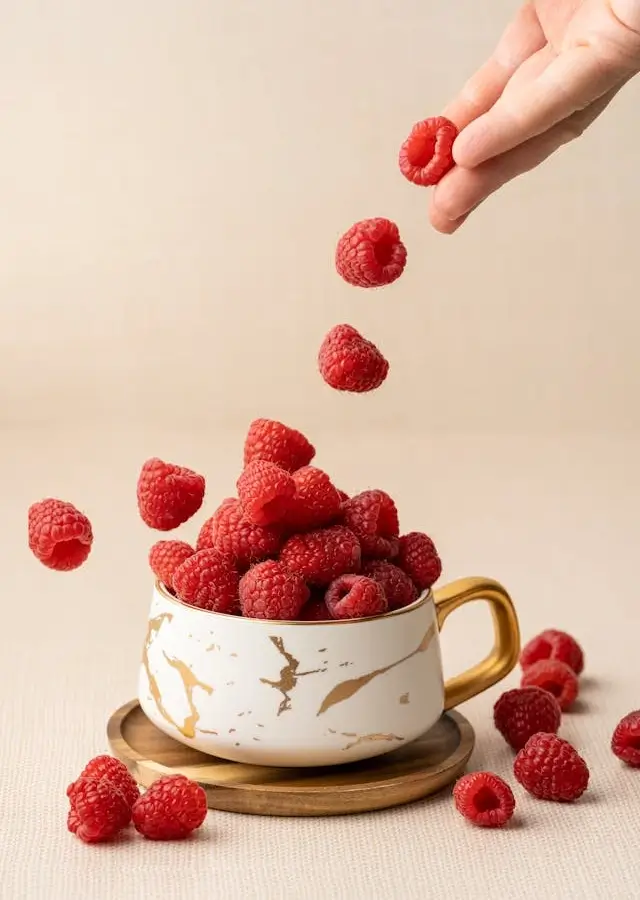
420, 768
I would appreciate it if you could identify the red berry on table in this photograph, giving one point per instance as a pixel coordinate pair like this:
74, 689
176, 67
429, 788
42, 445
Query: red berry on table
418, 557
277, 443
555, 677
270, 591
551, 769
171, 809
116, 772
520, 713
208, 580
320, 556
265, 492
60, 536
355, 597
316, 501
98, 810
373, 518
398, 588
625, 742
427, 155
553, 644
168, 495
371, 254
349, 362
229, 532
166, 556
484, 799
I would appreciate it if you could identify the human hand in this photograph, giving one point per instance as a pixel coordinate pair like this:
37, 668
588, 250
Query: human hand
556, 68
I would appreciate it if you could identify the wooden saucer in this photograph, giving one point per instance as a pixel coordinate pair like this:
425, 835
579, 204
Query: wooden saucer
420, 768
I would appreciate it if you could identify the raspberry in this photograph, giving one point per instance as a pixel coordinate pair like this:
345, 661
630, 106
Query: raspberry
170, 809
625, 742
426, 155
418, 557
98, 810
315, 610
116, 772
59, 535
208, 580
277, 443
555, 677
205, 536
398, 588
320, 556
266, 492
522, 712
231, 534
355, 597
168, 495
484, 799
349, 362
270, 591
371, 254
373, 518
343, 496
166, 556
316, 501
552, 644
551, 769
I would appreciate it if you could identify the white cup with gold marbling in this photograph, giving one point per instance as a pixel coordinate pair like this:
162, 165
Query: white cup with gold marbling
311, 693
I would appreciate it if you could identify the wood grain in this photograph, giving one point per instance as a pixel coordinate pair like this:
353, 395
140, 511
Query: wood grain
409, 773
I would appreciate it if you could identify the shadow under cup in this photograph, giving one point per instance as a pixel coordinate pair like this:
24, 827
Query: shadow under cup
311, 693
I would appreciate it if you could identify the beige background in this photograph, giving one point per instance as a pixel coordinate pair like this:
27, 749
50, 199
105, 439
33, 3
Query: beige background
173, 178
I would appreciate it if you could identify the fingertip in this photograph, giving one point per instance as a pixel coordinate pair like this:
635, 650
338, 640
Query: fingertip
467, 148
441, 222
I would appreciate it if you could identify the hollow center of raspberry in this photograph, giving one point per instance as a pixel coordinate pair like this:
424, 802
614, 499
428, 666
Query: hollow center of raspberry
383, 251
421, 150
69, 553
274, 510
553, 687
633, 741
485, 800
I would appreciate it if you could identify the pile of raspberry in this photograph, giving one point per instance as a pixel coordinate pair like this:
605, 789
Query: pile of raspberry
290, 545
529, 718
105, 799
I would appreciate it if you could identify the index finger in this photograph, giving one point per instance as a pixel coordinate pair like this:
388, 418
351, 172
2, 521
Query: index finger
521, 39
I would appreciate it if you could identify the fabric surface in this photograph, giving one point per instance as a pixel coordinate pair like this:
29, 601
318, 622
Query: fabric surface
554, 520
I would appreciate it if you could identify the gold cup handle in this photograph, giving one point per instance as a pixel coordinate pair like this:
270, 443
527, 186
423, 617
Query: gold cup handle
506, 646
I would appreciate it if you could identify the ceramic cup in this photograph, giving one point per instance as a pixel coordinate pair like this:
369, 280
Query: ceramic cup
312, 693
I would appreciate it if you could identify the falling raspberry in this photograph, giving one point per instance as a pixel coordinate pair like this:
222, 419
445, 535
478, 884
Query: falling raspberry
427, 155
59, 535
553, 644
371, 254
168, 495
484, 799
355, 597
555, 677
520, 713
270, 591
551, 769
165, 557
349, 362
625, 742
274, 442
171, 809
266, 492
